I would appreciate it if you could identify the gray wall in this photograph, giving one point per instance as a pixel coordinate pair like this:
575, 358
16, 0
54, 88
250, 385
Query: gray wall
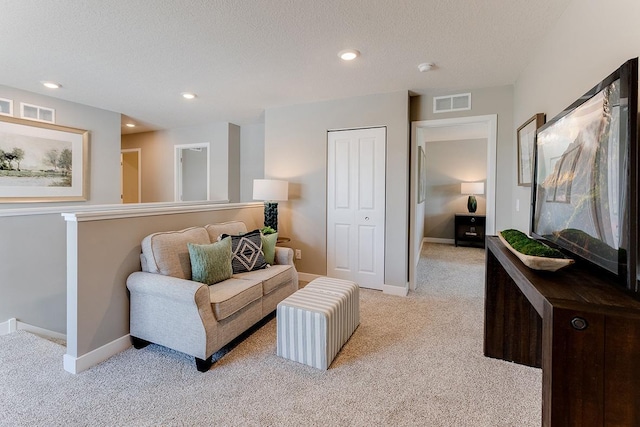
574, 56
33, 247
296, 151
251, 158
493, 100
448, 164
158, 159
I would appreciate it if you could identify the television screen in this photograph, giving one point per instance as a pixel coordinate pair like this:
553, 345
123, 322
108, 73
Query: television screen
585, 162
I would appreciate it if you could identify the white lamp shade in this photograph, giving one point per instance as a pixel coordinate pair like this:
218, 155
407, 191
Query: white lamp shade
270, 189
472, 188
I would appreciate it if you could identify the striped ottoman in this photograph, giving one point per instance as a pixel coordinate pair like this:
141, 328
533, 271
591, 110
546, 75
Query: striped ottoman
316, 321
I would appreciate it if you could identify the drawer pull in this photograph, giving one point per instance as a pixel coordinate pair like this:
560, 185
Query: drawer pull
579, 323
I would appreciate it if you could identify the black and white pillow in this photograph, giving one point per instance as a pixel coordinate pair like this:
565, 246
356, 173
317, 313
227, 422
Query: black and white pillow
246, 252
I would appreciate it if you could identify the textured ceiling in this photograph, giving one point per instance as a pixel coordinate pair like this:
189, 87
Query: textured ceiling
135, 57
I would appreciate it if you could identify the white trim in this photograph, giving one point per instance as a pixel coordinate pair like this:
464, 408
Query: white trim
308, 277
132, 150
21, 326
177, 168
75, 365
49, 210
145, 210
8, 327
438, 240
491, 121
13, 325
395, 290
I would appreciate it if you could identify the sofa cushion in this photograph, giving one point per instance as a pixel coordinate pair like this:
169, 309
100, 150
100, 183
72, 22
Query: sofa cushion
211, 263
269, 247
232, 295
232, 228
272, 278
167, 253
247, 252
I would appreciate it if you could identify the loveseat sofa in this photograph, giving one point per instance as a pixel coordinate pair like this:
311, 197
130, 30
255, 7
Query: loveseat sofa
170, 309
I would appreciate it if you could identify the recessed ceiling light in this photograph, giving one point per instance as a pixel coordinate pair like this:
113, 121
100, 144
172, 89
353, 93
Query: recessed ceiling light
188, 95
130, 125
348, 54
51, 85
426, 66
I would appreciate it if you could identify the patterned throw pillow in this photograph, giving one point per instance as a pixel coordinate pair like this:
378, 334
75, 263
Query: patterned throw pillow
246, 252
211, 263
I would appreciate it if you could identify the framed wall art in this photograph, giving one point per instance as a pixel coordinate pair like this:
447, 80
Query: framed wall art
41, 162
526, 136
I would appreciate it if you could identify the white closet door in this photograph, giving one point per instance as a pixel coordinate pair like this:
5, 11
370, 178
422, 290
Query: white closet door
356, 206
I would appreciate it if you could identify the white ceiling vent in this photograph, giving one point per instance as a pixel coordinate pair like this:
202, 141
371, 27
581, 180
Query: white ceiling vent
459, 102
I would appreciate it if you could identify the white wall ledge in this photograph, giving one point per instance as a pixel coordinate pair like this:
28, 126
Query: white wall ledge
148, 209
58, 209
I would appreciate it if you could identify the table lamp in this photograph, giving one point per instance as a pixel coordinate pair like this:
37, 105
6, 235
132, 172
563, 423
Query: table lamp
472, 189
271, 191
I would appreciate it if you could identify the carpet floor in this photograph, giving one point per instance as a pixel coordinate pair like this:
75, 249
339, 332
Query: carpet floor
414, 361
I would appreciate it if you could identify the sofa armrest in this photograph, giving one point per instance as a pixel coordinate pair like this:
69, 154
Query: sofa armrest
284, 256
172, 312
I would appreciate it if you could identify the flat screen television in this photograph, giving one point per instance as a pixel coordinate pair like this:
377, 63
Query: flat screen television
585, 179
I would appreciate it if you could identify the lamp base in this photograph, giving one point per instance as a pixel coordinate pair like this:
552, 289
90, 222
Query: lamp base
271, 215
472, 204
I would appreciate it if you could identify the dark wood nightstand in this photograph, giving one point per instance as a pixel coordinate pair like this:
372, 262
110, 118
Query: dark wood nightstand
469, 229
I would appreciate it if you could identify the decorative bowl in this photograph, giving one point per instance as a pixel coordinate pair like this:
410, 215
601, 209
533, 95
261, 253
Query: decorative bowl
538, 262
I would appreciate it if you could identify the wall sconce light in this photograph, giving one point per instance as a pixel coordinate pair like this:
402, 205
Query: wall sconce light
472, 189
271, 191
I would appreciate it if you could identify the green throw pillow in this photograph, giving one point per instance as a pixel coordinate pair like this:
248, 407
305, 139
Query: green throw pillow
269, 247
211, 263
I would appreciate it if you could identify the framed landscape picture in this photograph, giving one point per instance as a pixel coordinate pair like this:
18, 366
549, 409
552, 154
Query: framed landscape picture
526, 135
42, 162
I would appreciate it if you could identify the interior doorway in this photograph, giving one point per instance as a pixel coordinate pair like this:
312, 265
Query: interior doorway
192, 172
488, 127
131, 175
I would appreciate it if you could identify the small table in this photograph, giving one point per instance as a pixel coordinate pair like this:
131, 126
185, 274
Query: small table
470, 229
283, 240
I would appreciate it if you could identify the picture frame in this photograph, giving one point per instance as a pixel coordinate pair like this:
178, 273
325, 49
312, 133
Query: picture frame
422, 175
526, 139
42, 162
6, 107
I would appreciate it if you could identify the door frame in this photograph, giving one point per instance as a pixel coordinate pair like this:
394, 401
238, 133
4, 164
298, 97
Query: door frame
491, 123
130, 150
177, 168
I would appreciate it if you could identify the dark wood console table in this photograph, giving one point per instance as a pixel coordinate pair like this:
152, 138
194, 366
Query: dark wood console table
582, 330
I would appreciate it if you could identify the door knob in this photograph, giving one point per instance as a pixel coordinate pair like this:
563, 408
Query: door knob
366, 218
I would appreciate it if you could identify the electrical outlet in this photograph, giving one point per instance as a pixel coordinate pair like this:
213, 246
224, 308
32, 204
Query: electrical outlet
298, 254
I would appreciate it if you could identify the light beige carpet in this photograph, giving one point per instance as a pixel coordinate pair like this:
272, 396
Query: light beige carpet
414, 361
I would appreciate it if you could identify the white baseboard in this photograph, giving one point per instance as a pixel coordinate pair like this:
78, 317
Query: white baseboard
439, 240
395, 290
8, 327
13, 325
75, 365
386, 289
40, 331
